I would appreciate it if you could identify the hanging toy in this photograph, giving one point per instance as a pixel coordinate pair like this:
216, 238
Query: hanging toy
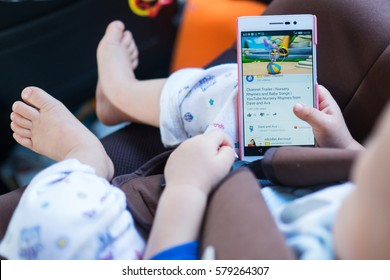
148, 8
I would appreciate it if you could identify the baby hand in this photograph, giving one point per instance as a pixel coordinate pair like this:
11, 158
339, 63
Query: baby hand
327, 121
201, 162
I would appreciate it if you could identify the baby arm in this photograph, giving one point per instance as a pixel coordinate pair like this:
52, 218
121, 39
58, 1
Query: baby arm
192, 171
362, 227
327, 122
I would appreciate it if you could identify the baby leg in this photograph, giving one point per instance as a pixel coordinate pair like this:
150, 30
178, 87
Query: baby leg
120, 97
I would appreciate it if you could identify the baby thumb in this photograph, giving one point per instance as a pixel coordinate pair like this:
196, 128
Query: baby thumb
226, 155
308, 114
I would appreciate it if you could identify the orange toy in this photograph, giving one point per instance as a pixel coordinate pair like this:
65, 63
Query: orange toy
208, 29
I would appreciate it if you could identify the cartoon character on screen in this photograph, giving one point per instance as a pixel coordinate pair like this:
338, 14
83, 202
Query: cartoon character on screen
274, 51
273, 68
148, 8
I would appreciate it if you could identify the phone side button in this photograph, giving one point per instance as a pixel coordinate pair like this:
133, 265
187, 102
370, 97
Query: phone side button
315, 31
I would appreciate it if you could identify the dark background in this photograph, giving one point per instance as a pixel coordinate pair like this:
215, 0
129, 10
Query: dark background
52, 44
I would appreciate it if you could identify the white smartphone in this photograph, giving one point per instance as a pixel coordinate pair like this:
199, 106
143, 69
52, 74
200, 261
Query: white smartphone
276, 69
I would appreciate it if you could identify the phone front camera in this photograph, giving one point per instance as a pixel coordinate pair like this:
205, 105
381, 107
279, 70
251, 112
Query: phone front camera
295, 22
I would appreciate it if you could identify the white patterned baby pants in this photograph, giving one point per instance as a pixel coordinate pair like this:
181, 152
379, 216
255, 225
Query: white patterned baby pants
194, 100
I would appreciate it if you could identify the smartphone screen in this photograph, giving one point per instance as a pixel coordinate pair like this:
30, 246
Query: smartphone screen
277, 72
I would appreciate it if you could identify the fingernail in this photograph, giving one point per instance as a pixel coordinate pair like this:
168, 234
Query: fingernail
298, 107
26, 93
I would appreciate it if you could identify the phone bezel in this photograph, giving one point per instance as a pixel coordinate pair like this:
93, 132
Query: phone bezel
271, 23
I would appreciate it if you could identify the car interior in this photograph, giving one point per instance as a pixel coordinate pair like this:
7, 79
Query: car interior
52, 44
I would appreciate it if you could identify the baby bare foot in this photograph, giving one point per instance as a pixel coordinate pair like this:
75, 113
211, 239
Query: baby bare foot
44, 125
106, 112
117, 57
